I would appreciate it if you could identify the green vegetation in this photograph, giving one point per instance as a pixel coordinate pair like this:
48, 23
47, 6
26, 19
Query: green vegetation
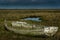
49, 17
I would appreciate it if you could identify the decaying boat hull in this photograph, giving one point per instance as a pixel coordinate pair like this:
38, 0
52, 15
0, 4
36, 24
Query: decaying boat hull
30, 32
42, 31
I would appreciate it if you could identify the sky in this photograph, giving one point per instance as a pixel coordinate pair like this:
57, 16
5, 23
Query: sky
29, 4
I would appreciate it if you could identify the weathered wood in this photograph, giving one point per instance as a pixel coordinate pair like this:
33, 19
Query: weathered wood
49, 31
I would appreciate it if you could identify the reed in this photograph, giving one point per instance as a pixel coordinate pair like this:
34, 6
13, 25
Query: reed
49, 17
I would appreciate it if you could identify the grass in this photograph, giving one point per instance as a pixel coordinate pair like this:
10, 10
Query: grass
50, 18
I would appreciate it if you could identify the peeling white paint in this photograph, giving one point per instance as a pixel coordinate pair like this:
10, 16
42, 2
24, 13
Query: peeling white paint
49, 31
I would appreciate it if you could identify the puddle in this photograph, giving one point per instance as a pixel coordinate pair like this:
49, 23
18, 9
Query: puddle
33, 19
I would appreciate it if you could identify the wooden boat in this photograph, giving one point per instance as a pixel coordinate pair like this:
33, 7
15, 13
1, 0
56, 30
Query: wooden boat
25, 28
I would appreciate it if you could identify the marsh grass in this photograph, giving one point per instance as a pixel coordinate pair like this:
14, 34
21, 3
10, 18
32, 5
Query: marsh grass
50, 18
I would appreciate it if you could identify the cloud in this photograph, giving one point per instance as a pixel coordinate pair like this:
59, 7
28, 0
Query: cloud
29, 1
45, 0
8, 0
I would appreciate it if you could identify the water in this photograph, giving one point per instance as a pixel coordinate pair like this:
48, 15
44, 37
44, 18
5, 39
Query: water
33, 19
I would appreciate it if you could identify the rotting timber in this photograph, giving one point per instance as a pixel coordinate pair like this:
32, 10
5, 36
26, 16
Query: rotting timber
31, 30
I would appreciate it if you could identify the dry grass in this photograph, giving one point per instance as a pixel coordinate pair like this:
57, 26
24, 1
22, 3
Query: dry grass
50, 17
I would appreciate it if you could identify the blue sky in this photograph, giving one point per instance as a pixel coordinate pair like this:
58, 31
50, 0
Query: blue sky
29, 4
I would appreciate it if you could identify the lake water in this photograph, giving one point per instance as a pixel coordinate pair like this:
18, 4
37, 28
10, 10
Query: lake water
33, 19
